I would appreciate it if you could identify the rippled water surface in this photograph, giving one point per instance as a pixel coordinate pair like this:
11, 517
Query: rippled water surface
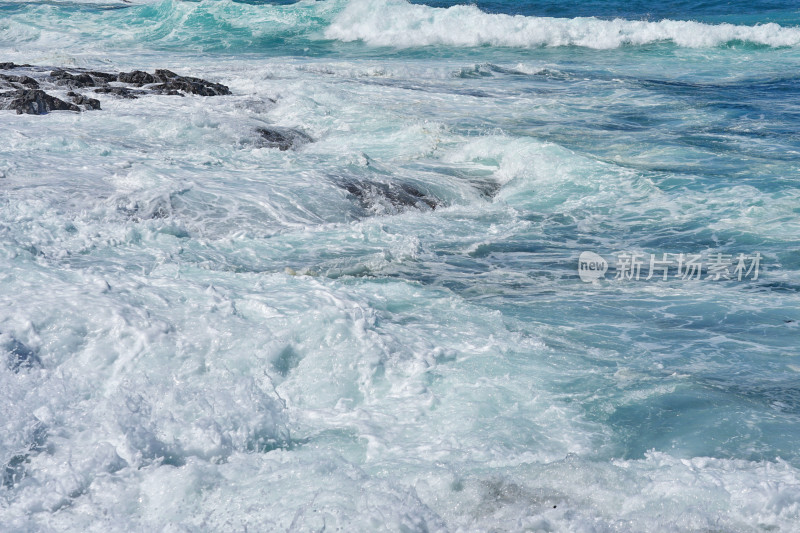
384, 327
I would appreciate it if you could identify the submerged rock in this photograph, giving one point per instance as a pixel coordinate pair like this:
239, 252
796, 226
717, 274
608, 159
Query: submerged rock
35, 102
388, 196
282, 138
19, 356
16, 469
487, 188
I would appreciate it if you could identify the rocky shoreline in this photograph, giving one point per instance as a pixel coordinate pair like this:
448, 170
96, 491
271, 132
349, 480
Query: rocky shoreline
26, 88
35, 90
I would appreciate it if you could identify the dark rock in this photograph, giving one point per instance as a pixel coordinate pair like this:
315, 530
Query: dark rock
487, 187
21, 82
10, 66
104, 77
85, 101
15, 470
189, 85
123, 92
169, 92
27, 81
28, 94
19, 356
136, 77
73, 81
282, 138
388, 197
163, 75
37, 102
173, 84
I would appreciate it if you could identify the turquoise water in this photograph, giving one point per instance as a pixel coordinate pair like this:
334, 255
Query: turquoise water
201, 333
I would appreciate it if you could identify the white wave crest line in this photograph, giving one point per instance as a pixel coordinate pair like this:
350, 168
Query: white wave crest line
400, 24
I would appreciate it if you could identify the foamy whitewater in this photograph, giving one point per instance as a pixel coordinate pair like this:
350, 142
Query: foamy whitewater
384, 328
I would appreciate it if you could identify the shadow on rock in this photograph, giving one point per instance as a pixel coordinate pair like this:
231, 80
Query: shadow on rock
281, 138
388, 197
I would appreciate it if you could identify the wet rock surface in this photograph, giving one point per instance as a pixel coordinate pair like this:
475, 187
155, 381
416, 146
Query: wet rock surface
35, 102
84, 101
388, 197
34, 90
18, 356
281, 138
20, 82
182, 84
63, 78
122, 92
136, 77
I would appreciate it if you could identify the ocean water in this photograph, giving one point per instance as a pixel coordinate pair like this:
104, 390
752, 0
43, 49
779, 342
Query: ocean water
201, 333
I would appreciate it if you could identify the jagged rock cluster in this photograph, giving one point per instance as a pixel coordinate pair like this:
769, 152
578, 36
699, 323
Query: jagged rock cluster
33, 90
25, 90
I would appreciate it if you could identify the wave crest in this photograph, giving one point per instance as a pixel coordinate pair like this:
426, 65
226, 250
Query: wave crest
398, 23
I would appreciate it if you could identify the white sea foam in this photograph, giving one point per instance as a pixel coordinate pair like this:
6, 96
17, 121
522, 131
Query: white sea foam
401, 24
186, 379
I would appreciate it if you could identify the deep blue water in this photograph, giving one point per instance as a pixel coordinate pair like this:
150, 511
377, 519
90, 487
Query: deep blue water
639, 9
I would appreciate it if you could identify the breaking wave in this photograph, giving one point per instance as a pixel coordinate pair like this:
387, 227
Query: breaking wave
400, 24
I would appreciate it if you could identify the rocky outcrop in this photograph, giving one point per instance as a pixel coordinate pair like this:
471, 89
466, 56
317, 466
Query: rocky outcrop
136, 77
186, 85
85, 101
28, 90
281, 138
20, 82
10, 66
34, 102
63, 78
122, 92
34, 90
167, 82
